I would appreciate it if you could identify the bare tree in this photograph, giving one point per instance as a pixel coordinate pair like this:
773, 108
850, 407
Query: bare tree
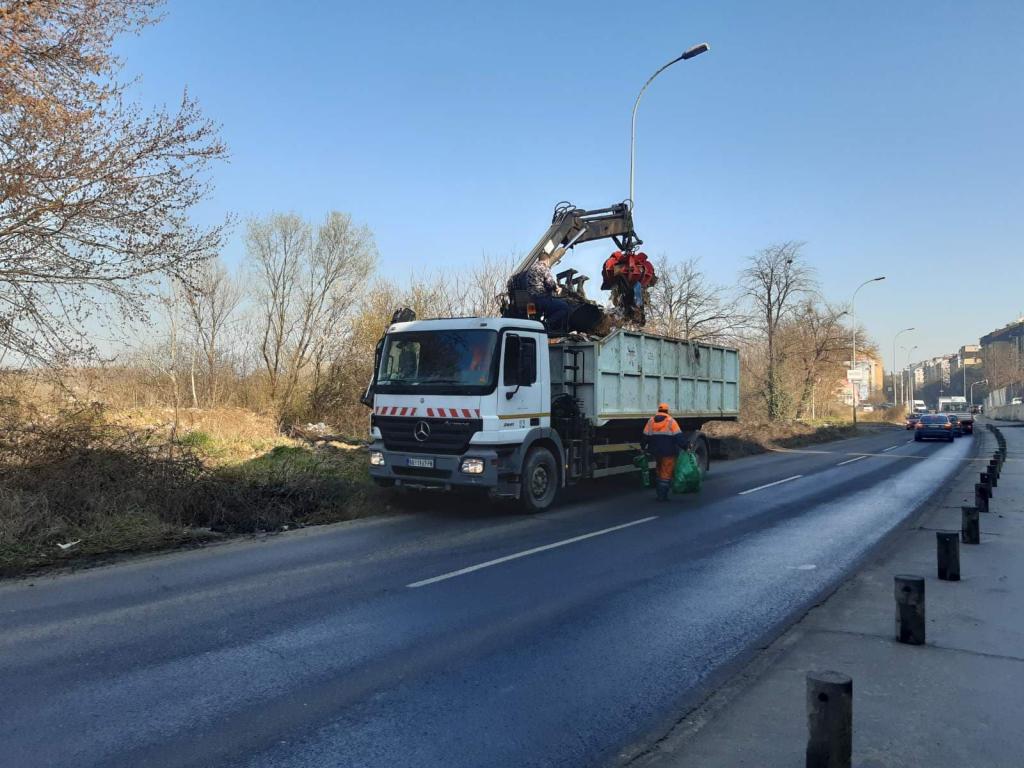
685, 303
94, 193
306, 287
212, 301
775, 281
1002, 364
819, 345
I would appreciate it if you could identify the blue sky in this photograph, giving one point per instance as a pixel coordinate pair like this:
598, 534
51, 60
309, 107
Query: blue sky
888, 136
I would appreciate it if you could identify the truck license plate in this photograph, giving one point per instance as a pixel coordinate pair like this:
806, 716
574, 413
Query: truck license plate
425, 463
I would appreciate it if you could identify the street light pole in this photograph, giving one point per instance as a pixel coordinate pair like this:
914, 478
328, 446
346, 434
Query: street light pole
853, 362
696, 50
979, 381
894, 364
910, 378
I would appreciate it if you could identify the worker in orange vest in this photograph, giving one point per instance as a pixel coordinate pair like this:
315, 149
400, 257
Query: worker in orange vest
664, 440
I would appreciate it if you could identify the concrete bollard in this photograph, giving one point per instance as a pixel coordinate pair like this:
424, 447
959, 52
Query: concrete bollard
947, 545
829, 720
970, 529
909, 592
980, 497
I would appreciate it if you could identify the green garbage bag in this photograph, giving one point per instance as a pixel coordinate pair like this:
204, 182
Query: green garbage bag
643, 463
686, 478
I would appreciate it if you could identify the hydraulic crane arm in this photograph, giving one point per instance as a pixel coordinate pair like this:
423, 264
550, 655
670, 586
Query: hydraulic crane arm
571, 225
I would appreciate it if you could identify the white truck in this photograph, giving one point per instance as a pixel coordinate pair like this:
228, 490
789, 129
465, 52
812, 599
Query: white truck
496, 404
957, 405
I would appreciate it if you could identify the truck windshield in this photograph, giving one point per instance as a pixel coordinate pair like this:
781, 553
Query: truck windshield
438, 362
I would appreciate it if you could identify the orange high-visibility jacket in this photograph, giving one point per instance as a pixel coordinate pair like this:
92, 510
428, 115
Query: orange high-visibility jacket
662, 436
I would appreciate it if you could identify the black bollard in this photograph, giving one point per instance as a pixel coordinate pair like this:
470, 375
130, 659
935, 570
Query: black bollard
993, 476
910, 609
947, 545
970, 530
980, 497
986, 480
829, 720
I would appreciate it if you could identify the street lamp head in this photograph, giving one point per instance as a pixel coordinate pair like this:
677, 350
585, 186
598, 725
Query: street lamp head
697, 50
878, 278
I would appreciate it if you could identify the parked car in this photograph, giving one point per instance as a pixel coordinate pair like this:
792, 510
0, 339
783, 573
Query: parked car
934, 426
912, 419
1015, 401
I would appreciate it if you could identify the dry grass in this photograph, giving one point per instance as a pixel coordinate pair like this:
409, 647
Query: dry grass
731, 439
130, 482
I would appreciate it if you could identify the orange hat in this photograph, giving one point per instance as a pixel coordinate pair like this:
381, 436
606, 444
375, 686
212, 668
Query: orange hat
663, 408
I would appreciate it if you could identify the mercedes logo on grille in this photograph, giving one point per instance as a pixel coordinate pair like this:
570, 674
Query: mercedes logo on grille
421, 431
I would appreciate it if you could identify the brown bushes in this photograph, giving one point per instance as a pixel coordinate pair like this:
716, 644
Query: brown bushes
83, 479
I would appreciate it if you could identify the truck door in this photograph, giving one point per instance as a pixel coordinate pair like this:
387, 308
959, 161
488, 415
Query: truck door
520, 394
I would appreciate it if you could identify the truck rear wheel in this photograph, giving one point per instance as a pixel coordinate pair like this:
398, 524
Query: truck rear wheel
539, 481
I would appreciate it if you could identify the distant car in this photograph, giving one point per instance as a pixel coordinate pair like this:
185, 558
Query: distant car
912, 419
867, 409
958, 425
1015, 401
934, 426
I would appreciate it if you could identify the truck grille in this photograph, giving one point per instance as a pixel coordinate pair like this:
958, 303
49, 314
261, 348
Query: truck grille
450, 436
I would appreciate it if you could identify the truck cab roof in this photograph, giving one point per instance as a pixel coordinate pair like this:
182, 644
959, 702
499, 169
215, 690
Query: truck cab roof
467, 323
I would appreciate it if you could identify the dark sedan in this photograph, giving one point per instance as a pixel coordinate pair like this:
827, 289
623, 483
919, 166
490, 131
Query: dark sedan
934, 426
912, 419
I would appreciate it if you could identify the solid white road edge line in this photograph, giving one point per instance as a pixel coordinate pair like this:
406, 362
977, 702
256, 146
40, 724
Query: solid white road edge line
769, 485
850, 461
526, 552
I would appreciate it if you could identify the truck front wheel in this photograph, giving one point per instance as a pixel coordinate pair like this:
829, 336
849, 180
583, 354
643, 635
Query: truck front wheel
539, 482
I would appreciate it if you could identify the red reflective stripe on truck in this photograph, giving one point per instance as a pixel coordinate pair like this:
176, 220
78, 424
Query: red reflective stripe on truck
465, 412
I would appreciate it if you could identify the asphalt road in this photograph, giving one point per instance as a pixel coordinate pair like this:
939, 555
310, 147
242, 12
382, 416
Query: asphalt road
398, 641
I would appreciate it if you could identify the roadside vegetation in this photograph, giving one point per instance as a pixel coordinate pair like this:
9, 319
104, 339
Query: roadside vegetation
82, 483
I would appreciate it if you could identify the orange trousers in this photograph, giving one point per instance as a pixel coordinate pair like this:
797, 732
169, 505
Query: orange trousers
666, 465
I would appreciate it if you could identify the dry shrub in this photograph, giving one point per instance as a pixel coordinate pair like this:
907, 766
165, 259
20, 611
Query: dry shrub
732, 439
115, 486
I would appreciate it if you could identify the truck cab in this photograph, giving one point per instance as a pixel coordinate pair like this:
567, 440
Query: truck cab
462, 402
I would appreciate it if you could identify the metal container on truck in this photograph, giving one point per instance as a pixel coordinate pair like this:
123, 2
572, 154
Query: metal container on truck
493, 404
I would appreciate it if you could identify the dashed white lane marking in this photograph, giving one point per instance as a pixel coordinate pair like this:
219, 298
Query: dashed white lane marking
850, 461
769, 485
526, 552
804, 567
890, 448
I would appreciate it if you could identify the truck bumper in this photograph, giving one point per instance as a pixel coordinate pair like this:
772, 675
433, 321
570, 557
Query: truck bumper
446, 473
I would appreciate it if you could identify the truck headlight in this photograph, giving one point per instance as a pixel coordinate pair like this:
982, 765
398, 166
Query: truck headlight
376, 459
473, 466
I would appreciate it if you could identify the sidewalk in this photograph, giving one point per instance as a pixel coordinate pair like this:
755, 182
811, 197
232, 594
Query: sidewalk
956, 702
